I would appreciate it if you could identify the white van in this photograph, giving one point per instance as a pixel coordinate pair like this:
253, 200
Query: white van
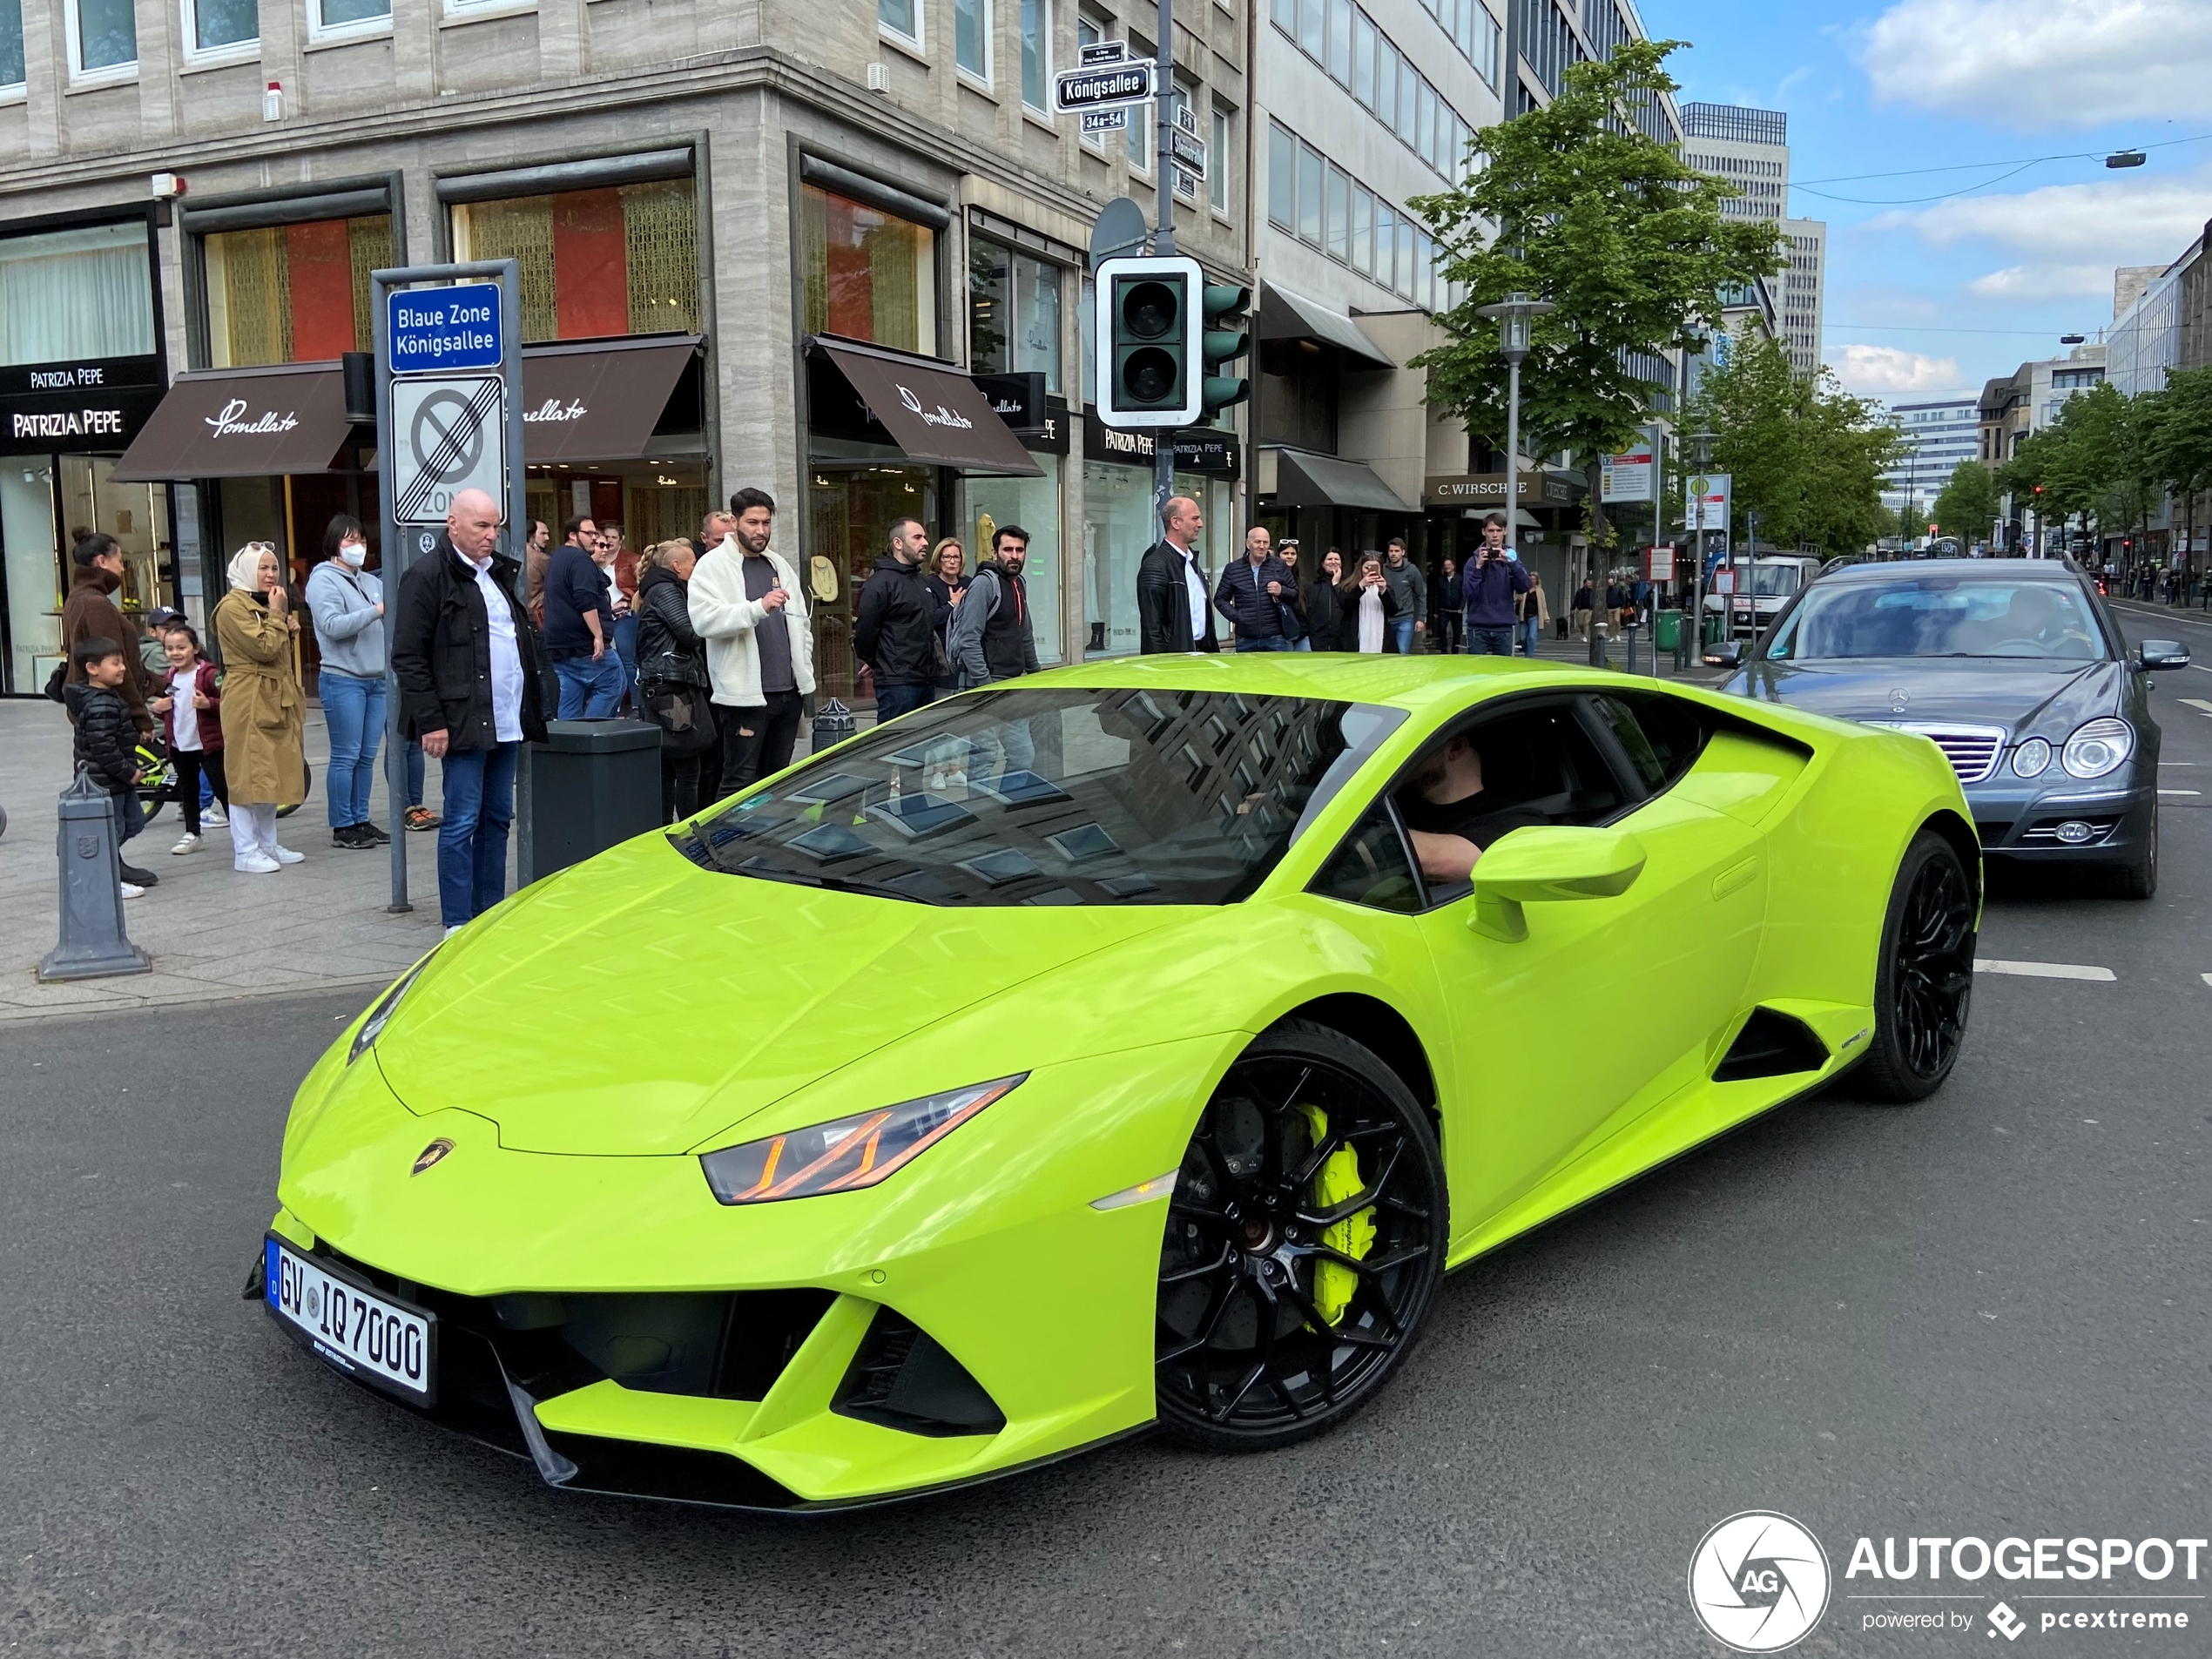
1763, 586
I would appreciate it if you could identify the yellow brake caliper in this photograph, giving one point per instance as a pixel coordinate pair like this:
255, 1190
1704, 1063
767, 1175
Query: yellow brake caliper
1334, 1283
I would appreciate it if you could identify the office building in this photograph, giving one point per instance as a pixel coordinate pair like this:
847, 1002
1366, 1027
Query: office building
1750, 149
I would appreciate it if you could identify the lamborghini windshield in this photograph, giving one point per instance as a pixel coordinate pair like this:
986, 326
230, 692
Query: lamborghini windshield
1941, 616
1064, 796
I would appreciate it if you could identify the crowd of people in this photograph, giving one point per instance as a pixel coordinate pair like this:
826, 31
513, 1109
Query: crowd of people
709, 639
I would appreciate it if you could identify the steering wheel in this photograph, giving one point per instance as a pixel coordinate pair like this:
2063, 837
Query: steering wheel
2034, 646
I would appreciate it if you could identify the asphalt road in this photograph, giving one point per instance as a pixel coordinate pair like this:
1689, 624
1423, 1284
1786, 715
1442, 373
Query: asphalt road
1985, 1316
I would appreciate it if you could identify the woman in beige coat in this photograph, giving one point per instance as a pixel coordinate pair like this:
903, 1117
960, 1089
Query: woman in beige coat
264, 715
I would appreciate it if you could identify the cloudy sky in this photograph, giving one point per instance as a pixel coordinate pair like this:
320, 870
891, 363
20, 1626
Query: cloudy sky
1939, 279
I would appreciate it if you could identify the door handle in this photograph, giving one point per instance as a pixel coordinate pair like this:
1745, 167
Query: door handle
1736, 877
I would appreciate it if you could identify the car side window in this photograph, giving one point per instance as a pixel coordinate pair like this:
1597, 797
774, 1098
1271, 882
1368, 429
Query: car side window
1371, 868
1661, 736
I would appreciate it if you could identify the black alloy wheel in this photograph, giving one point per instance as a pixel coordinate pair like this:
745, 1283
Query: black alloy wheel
1303, 1243
1925, 978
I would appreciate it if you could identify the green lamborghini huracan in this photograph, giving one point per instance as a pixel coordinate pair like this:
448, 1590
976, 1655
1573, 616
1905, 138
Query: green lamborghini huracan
1135, 1044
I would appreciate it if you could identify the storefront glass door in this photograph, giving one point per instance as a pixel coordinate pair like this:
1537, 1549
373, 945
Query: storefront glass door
33, 570
848, 524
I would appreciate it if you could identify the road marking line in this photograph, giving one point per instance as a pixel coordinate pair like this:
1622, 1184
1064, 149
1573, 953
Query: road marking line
2181, 792
2208, 978
2047, 970
2198, 704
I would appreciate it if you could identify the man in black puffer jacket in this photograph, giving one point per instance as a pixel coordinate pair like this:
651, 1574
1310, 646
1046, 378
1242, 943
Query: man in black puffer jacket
894, 629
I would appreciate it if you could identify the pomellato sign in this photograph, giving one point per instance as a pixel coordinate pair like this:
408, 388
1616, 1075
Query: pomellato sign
234, 420
554, 412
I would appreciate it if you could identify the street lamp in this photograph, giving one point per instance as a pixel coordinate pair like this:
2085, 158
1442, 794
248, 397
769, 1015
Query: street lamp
1514, 313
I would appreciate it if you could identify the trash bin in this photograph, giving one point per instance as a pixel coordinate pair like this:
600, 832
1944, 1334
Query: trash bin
1666, 630
1716, 627
592, 784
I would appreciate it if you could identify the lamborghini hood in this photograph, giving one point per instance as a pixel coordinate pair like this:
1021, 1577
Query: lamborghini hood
637, 1004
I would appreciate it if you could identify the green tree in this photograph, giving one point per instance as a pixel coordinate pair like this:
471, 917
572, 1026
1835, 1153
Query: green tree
2179, 441
1573, 204
1967, 507
1806, 456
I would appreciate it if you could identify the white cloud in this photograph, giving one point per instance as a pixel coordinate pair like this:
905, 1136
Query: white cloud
2043, 65
2109, 219
2044, 282
1883, 371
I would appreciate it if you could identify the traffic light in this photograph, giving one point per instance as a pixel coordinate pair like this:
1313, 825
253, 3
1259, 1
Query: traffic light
1227, 337
1148, 340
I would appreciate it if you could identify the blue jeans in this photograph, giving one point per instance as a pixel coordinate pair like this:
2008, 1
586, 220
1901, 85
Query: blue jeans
625, 644
589, 690
1271, 642
1490, 642
1531, 630
353, 710
414, 771
130, 816
472, 840
1401, 630
1304, 642
892, 701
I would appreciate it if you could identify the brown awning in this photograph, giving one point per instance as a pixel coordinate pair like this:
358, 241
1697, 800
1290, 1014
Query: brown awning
242, 423
933, 412
598, 401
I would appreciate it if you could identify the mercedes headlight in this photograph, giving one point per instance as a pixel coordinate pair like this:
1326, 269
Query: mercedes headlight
846, 1153
381, 1015
2032, 758
2098, 747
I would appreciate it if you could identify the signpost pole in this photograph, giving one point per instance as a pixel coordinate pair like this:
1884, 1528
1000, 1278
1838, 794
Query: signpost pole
1163, 237
395, 566
518, 531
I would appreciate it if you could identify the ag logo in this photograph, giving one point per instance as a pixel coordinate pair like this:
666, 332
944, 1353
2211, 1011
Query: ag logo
1759, 1581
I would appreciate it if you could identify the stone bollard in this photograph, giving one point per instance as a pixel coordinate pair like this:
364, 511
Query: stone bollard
93, 944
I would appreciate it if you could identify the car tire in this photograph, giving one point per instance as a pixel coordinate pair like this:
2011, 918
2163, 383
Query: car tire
1268, 1244
2140, 880
1924, 980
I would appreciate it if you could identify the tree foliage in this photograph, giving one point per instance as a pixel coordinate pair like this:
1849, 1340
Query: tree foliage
1967, 507
1573, 204
1805, 455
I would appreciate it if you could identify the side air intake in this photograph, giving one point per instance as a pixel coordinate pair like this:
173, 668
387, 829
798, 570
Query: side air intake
903, 1379
1770, 1045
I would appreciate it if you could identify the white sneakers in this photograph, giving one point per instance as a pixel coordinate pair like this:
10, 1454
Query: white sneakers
256, 863
283, 854
188, 842
456, 928
214, 817
131, 890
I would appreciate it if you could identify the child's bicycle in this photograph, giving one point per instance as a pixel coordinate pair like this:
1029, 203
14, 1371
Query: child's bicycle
158, 782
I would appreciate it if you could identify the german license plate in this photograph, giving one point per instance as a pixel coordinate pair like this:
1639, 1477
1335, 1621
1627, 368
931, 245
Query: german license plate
362, 1331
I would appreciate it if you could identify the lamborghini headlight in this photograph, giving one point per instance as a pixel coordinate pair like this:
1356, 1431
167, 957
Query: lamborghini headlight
381, 1015
2098, 747
846, 1153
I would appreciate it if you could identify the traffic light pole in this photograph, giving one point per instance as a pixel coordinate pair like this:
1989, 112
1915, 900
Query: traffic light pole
1164, 234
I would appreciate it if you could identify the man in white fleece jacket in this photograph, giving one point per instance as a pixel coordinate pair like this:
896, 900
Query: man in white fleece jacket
746, 604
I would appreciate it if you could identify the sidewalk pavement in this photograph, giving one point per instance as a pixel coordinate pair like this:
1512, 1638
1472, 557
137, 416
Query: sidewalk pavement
214, 934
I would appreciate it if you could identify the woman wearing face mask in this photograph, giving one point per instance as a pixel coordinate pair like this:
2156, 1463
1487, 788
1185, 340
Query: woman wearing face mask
347, 605
263, 713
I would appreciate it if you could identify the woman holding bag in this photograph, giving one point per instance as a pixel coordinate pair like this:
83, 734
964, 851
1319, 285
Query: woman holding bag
264, 715
672, 684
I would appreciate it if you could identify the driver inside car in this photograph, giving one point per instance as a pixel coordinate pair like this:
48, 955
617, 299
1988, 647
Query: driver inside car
1451, 817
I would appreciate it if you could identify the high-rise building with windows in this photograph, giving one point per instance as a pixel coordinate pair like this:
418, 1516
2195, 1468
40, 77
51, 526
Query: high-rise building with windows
1750, 149
1939, 435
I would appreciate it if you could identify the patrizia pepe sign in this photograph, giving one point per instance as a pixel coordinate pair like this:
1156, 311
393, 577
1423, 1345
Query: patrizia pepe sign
99, 404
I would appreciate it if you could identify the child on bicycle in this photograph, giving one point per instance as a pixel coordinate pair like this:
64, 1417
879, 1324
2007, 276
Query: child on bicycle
188, 708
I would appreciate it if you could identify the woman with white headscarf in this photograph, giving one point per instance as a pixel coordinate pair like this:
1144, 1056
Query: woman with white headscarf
264, 715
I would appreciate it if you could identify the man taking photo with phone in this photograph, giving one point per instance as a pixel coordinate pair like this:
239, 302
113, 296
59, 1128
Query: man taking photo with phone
1491, 586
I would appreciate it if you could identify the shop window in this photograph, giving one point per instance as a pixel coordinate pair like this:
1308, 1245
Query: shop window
1014, 313
620, 260
293, 294
334, 19
218, 28
103, 37
85, 293
868, 275
1282, 177
12, 70
1119, 524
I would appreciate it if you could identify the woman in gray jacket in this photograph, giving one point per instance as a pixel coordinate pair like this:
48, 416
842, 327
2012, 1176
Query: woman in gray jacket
347, 604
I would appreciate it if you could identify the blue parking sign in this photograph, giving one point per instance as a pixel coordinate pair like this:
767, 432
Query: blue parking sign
444, 329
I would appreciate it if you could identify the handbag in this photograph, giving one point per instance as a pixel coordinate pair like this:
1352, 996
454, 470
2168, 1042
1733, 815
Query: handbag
683, 715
